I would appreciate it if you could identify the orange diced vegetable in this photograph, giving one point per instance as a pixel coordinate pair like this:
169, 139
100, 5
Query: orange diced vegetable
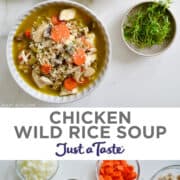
70, 84
46, 68
27, 33
123, 162
116, 170
55, 20
79, 57
60, 32
130, 168
101, 177
108, 178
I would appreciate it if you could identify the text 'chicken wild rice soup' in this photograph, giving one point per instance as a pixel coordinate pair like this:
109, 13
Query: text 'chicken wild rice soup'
59, 50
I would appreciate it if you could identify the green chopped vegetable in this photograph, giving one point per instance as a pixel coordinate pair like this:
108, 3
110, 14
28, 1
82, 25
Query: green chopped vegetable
150, 24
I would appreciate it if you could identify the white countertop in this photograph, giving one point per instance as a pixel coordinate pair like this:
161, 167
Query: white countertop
131, 80
83, 170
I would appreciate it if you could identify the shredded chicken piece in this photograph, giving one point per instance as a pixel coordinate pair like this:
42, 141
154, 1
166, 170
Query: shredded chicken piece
37, 35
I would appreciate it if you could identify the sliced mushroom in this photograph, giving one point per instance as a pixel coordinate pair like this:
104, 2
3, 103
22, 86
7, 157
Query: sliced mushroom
67, 14
41, 82
19, 37
89, 72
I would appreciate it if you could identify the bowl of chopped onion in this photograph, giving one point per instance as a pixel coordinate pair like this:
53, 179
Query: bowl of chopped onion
30, 170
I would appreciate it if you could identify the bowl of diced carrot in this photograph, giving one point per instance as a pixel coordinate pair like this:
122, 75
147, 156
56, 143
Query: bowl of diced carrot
117, 170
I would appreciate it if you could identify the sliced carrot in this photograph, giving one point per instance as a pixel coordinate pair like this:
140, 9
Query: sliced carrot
108, 178
27, 33
46, 68
101, 177
133, 175
79, 57
70, 84
117, 173
108, 163
60, 32
101, 171
118, 178
86, 42
55, 20
130, 168
119, 167
123, 162
109, 170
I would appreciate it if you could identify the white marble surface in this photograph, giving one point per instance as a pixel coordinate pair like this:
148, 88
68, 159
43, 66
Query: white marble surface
131, 80
84, 170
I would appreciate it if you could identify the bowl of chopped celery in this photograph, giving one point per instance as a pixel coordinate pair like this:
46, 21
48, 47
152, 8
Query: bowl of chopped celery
149, 28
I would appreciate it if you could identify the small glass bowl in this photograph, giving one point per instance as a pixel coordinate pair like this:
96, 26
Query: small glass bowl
22, 177
135, 163
173, 169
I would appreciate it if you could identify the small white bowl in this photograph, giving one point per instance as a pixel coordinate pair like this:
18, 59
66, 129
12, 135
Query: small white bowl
45, 97
154, 50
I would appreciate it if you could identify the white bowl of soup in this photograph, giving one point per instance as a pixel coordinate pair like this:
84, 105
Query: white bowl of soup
58, 51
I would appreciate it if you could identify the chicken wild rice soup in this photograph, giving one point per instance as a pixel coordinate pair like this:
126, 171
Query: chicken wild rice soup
59, 50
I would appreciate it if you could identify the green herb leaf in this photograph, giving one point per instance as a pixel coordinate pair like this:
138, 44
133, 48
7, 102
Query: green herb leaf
149, 25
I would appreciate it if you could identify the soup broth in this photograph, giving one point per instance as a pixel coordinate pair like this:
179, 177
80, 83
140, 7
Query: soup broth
35, 19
